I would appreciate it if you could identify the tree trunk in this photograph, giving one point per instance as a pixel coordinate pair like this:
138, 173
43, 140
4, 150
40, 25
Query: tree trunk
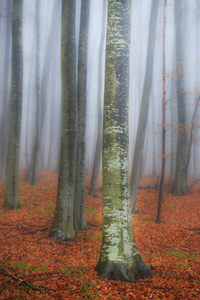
139, 144
62, 227
79, 200
12, 168
98, 150
179, 184
36, 147
158, 220
6, 91
119, 258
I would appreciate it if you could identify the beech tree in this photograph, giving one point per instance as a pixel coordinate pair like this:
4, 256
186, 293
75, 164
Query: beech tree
101, 67
158, 219
4, 114
143, 114
63, 227
36, 148
179, 183
119, 258
79, 198
12, 167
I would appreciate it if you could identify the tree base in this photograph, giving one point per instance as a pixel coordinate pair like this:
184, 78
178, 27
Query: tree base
136, 211
91, 193
119, 271
8, 206
58, 234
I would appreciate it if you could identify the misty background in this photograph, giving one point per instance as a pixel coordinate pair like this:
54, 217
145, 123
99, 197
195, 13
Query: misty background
50, 74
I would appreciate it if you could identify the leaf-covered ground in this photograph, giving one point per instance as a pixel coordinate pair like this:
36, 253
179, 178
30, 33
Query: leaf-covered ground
65, 270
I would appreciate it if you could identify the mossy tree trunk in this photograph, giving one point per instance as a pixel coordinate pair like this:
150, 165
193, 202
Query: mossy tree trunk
139, 143
179, 183
12, 167
62, 227
119, 258
79, 199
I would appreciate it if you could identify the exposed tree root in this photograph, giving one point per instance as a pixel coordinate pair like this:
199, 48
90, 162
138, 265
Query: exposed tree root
120, 271
60, 235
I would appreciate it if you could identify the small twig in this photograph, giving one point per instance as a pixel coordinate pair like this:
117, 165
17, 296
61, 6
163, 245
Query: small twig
21, 281
39, 274
194, 183
198, 229
146, 187
94, 225
144, 199
33, 231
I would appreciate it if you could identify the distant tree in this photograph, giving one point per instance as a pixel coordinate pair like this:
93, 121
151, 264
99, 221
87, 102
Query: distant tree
36, 147
12, 167
45, 78
179, 183
63, 227
143, 114
119, 258
162, 177
173, 114
79, 199
98, 149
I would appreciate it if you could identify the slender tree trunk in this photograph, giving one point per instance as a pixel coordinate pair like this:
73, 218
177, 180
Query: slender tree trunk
173, 113
79, 200
119, 258
62, 227
154, 130
98, 150
36, 147
139, 144
158, 220
12, 168
192, 134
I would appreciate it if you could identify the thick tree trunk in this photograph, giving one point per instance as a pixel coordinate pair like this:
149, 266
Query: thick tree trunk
119, 258
6, 91
62, 227
139, 144
12, 168
79, 199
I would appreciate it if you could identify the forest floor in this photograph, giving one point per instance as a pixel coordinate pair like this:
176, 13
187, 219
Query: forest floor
34, 266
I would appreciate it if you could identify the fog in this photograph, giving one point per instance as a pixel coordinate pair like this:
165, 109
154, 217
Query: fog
50, 76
